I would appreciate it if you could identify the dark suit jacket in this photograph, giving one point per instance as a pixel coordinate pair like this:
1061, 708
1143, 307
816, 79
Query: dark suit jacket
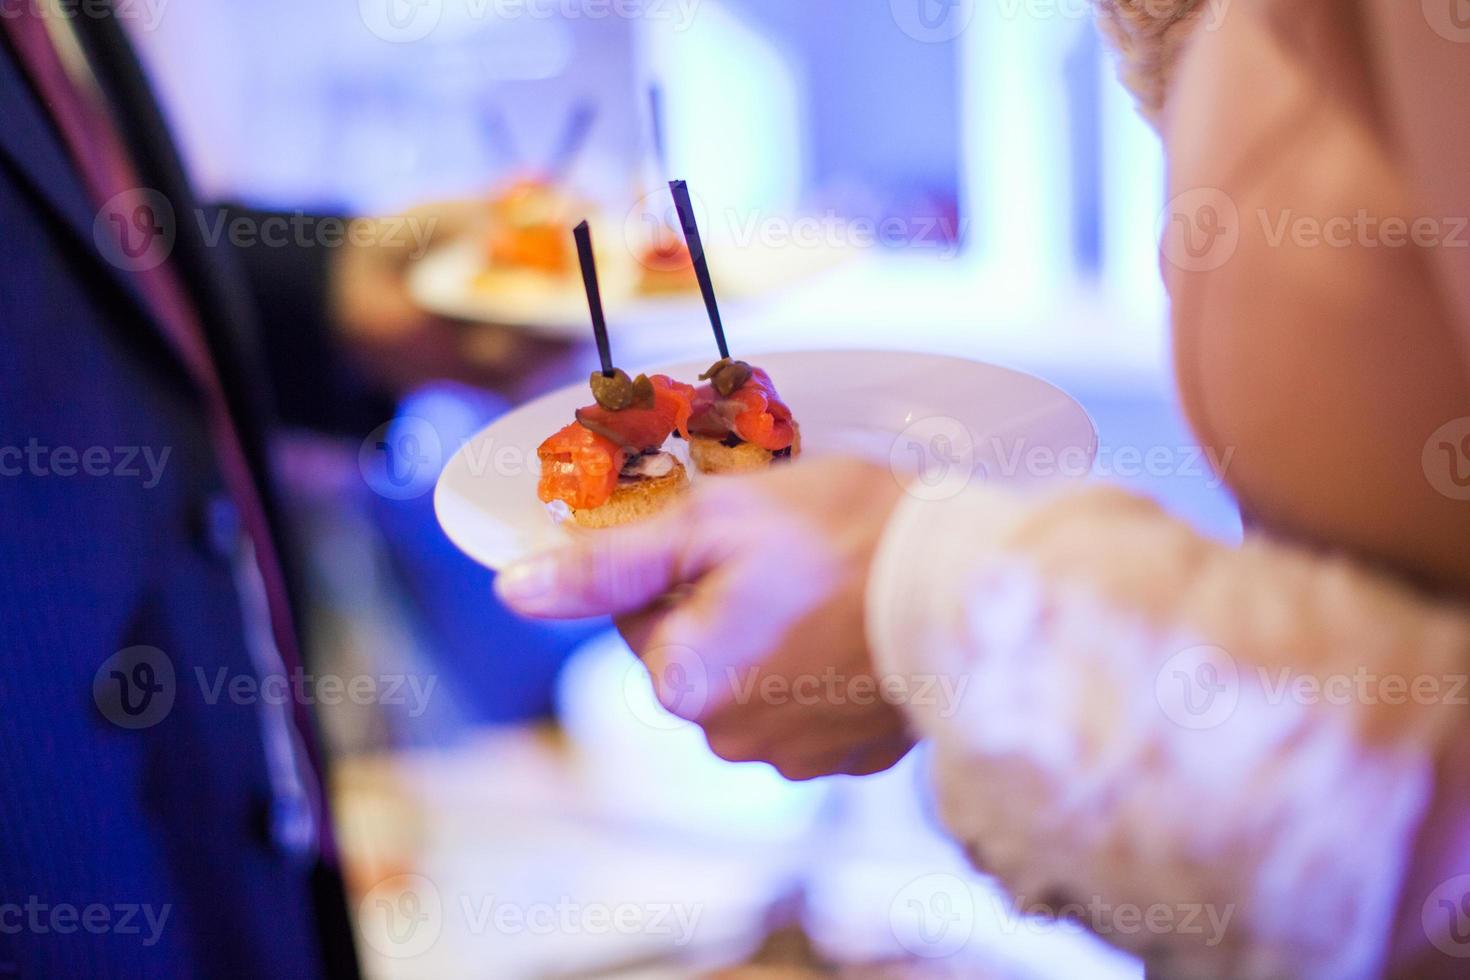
141, 852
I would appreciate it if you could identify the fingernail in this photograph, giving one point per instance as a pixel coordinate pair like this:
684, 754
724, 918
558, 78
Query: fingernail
528, 583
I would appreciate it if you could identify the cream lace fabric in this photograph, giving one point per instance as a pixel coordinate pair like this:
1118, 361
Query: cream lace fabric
1215, 757
1150, 36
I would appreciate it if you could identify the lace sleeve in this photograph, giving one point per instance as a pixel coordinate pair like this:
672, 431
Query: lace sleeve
1186, 746
1150, 36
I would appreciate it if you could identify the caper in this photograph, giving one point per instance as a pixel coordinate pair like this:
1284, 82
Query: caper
613, 393
642, 392
727, 376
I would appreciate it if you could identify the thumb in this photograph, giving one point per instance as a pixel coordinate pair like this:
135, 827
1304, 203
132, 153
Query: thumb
605, 572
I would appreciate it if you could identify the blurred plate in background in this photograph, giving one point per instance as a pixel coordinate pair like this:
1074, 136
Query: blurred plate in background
454, 281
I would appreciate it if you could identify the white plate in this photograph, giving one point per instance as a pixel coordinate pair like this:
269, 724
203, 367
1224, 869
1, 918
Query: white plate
940, 422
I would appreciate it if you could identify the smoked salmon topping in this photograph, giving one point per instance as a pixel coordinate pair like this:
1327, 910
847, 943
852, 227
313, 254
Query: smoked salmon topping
580, 464
754, 412
645, 427
580, 467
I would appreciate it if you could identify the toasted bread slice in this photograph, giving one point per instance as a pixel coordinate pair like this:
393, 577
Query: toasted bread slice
667, 282
714, 457
636, 499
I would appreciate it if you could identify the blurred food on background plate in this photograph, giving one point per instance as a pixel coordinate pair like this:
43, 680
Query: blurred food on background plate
667, 267
528, 222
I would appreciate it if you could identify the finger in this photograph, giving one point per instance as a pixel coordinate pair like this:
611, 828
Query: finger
736, 747
805, 744
878, 758
637, 628
865, 760
731, 618
608, 572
